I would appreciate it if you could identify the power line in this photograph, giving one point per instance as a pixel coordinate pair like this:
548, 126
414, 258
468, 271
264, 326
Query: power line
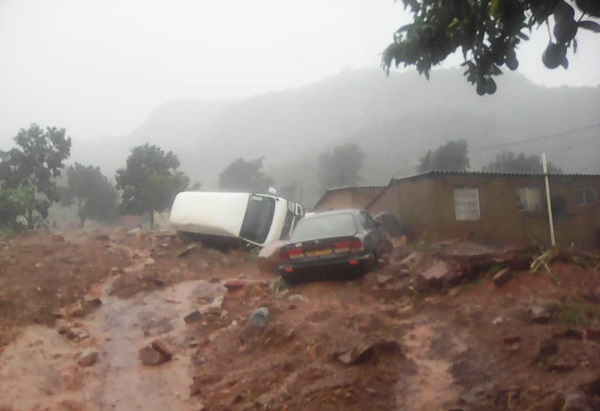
545, 137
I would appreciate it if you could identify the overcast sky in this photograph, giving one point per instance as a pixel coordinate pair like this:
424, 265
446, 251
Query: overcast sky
99, 67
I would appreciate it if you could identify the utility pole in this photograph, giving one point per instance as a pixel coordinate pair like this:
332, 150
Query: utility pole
548, 202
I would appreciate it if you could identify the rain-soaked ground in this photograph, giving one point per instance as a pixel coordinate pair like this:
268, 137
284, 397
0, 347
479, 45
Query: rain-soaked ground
368, 344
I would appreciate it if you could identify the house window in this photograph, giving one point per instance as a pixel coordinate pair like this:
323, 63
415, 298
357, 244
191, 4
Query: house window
466, 203
585, 197
529, 199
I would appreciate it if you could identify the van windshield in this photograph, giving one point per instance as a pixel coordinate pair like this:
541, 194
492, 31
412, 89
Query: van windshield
258, 218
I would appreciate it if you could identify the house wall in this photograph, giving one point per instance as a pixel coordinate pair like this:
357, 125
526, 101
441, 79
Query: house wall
425, 206
412, 201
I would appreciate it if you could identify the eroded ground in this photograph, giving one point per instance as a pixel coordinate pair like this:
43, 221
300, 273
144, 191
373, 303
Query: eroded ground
385, 342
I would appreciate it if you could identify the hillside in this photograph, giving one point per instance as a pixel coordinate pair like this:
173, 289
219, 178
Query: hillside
395, 119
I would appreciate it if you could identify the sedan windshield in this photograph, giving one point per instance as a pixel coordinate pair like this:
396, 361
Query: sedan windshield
334, 225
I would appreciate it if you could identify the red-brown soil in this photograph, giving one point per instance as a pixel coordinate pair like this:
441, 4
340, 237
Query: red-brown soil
376, 343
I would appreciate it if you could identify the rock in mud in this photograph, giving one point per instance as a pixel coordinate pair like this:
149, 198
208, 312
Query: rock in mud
134, 231
102, 237
548, 347
259, 318
192, 317
255, 325
215, 306
162, 348
512, 343
411, 260
539, 314
363, 351
88, 358
87, 307
502, 277
294, 298
264, 400
434, 277
150, 356
567, 333
383, 279
237, 283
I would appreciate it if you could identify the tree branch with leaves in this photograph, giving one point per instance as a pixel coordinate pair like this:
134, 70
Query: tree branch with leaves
488, 32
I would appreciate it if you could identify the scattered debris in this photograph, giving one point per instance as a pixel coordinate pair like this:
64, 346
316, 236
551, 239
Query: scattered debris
193, 317
502, 277
264, 400
259, 318
87, 307
237, 283
363, 351
548, 347
102, 237
186, 250
162, 348
88, 358
539, 314
149, 355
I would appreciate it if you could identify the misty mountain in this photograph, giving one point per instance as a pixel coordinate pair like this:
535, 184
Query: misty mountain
394, 119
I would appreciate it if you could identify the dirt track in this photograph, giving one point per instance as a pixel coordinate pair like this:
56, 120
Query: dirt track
370, 344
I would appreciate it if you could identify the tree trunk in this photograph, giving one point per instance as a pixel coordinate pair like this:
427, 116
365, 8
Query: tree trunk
151, 219
80, 212
30, 209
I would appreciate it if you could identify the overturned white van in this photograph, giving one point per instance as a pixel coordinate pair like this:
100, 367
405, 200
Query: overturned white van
258, 219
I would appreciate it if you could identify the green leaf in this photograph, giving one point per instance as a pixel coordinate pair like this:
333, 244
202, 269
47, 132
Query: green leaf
495, 8
590, 25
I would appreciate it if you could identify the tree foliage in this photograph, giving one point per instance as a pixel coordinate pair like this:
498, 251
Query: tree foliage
510, 162
451, 156
33, 165
150, 181
488, 32
91, 192
13, 206
341, 166
242, 175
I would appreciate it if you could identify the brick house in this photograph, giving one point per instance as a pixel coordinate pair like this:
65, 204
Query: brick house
348, 197
494, 208
499, 208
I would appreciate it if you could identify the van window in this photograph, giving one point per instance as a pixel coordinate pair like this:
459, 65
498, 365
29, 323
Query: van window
258, 218
287, 225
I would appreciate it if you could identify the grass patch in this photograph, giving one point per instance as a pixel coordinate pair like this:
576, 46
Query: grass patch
575, 313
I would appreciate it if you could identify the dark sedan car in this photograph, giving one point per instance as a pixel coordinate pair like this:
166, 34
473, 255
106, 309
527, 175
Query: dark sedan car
342, 244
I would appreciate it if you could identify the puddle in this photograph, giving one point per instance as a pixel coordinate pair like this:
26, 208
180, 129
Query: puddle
39, 370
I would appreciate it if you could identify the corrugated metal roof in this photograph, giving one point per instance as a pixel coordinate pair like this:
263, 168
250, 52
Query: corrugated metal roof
354, 188
476, 173
495, 173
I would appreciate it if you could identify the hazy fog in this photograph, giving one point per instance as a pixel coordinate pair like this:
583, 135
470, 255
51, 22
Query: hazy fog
99, 68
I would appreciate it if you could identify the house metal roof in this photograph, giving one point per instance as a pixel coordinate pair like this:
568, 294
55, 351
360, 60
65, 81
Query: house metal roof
477, 173
495, 173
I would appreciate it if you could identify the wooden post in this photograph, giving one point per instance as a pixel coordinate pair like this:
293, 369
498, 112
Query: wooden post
548, 202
